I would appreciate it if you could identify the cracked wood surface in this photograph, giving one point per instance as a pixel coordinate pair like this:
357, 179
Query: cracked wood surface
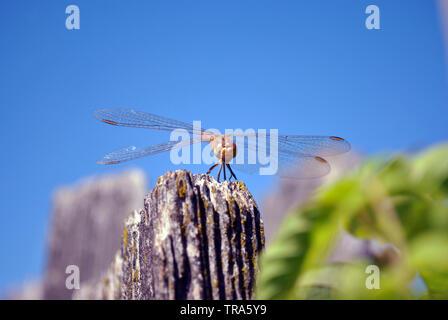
194, 239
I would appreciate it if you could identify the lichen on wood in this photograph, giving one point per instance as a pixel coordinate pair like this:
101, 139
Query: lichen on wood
194, 239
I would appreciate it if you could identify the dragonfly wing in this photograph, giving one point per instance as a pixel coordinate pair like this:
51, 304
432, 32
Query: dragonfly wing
298, 144
287, 165
139, 119
297, 156
313, 145
132, 153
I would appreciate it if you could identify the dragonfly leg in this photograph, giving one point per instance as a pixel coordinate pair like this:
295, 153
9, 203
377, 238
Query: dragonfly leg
219, 172
212, 167
231, 171
224, 167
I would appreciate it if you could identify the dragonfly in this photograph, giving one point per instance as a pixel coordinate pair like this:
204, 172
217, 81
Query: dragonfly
299, 156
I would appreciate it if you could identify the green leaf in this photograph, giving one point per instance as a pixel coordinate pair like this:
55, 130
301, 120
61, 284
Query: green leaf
402, 201
429, 254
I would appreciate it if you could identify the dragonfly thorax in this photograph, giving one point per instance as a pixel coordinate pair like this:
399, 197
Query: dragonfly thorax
224, 149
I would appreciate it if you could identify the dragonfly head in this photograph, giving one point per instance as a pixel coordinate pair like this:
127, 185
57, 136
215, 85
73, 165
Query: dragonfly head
224, 149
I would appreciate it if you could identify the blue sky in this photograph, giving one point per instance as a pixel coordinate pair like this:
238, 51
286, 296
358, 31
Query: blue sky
304, 67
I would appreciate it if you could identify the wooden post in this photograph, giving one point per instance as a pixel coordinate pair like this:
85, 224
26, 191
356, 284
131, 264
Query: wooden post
194, 239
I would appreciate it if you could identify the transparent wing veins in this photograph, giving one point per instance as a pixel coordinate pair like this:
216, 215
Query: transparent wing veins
132, 153
139, 119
